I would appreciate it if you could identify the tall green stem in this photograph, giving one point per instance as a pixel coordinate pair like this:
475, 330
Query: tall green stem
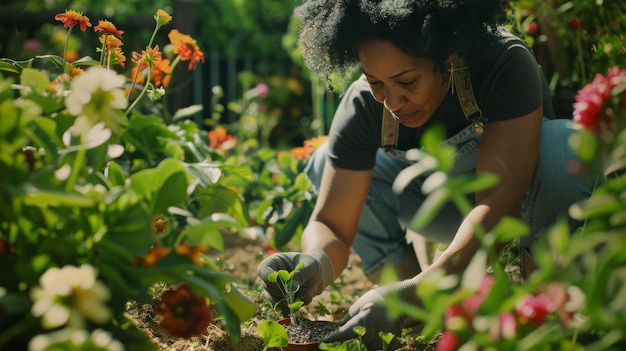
143, 91
67, 40
78, 164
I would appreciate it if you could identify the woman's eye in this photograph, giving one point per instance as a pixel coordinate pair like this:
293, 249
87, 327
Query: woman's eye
375, 84
407, 83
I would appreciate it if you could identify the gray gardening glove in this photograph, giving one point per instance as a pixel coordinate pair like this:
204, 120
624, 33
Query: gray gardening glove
313, 277
369, 312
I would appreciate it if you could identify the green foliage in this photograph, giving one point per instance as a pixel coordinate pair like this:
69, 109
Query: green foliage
289, 287
273, 334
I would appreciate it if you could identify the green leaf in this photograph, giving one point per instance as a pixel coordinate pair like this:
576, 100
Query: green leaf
509, 228
115, 174
207, 173
163, 186
273, 334
413, 171
297, 218
44, 135
207, 233
240, 303
35, 79
429, 209
219, 199
55, 198
187, 111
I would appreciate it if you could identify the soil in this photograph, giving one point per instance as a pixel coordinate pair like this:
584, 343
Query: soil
308, 331
240, 258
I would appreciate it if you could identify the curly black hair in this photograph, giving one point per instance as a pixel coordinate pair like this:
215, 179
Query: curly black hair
333, 30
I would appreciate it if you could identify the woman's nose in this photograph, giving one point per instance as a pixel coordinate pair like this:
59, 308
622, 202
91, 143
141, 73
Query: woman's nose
393, 100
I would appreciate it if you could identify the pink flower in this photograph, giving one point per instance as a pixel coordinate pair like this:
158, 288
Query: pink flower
590, 109
508, 326
262, 90
447, 342
590, 101
534, 309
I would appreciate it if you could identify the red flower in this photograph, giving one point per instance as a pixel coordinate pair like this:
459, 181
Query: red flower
70, 18
534, 309
182, 313
574, 24
447, 342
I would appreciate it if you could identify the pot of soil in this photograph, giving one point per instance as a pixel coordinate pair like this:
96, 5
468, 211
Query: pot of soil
306, 334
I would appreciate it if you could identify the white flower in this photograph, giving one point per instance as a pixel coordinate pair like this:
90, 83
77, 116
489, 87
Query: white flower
98, 94
99, 339
68, 295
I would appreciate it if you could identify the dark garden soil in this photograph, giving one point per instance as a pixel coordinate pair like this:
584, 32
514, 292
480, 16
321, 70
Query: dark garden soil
240, 258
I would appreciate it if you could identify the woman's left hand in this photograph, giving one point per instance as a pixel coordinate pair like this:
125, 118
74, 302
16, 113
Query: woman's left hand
370, 312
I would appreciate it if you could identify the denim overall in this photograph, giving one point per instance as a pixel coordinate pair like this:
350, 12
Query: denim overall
381, 234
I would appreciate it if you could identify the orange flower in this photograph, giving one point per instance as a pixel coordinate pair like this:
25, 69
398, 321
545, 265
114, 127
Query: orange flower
161, 73
299, 153
193, 252
137, 75
151, 258
182, 313
219, 136
148, 57
70, 18
186, 47
113, 49
312, 144
75, 71
108, 28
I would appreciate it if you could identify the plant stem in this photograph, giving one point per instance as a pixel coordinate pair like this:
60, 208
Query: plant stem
67, 40
104, 45
143, 91
78, 162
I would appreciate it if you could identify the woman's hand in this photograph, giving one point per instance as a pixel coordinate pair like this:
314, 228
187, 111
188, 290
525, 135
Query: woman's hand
370, 312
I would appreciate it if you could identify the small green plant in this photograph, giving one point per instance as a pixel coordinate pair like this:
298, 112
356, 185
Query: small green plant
289, 287
273, 334
356, 344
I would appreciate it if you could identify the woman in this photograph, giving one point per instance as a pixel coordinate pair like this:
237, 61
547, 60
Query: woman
424, 62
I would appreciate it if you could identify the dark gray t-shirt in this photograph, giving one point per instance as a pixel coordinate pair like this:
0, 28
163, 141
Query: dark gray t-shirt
507, 84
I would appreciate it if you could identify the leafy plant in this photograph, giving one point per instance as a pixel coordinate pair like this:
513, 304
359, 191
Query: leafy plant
356, 344
273, 334
101, 203
289, 287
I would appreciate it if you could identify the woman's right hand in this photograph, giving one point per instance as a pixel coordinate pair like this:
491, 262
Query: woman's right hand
313, 277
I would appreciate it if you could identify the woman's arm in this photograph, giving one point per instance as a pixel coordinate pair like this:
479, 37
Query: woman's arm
335, 218
510, 149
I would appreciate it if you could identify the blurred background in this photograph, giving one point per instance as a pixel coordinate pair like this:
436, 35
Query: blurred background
251, 42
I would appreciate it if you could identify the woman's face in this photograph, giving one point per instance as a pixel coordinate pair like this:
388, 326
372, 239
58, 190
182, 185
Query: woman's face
406, 84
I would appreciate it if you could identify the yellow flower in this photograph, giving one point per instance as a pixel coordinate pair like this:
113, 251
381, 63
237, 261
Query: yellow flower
162, 18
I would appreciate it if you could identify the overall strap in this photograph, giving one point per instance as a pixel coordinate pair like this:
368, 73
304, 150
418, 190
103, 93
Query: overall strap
460, 81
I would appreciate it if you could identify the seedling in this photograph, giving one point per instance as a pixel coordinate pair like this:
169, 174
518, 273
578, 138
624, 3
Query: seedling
289, 288
356, 344
273, 334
